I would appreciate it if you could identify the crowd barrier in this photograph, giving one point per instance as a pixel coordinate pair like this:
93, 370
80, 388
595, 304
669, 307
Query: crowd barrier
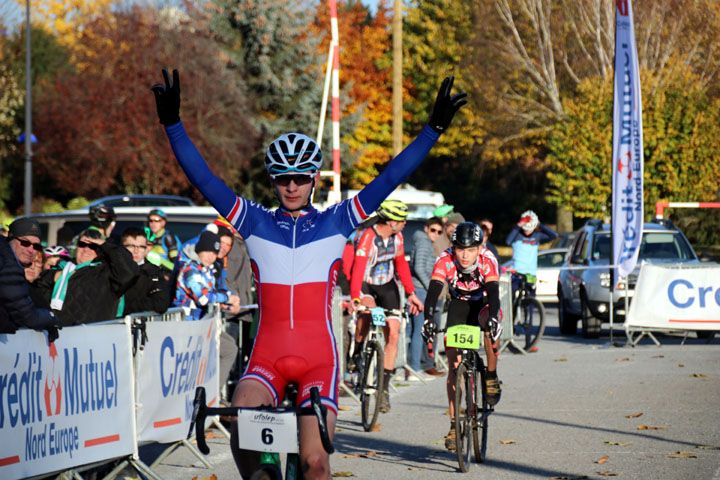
678, 297
101, 390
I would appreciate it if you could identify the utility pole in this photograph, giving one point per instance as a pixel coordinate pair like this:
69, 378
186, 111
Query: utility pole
28, 114
397, 78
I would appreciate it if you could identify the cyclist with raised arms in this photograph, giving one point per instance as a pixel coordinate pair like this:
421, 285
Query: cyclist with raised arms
295, 253
378, 256
471, 272
525, 239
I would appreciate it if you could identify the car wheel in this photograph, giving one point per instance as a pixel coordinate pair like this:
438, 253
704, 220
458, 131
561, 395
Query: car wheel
566, 320
705, 334
590, 324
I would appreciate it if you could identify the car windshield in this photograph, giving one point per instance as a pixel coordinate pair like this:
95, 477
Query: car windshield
655, 245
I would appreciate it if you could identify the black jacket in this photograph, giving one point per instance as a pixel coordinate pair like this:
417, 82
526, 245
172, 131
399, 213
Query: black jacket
150, 292
94, 292
16, 308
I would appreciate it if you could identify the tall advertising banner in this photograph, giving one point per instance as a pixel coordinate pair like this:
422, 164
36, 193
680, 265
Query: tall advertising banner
177, 358
65, 404
627, 168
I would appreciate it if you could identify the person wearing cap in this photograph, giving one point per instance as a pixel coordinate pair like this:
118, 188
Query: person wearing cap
443, 241
17, 309
525, 239
151, 291
443, 212
102, 219
164, 243
24, 236
196, 284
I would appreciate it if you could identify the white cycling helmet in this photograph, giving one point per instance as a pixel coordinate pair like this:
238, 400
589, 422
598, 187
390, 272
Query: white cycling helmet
293, 152
529, 220
56, 250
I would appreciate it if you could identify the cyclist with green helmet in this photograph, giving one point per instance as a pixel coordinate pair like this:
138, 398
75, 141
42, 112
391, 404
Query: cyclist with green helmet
378, 256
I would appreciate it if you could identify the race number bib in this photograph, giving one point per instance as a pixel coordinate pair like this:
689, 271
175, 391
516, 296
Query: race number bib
463, 336
267, 431
378, 316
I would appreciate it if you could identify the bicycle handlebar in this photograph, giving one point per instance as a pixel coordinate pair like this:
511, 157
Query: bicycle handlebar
201, 411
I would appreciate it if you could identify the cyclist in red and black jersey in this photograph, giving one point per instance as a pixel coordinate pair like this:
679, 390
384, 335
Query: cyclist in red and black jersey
378, 256
471, 272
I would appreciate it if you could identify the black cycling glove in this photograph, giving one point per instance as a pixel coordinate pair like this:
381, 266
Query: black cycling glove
446, 106
167, 99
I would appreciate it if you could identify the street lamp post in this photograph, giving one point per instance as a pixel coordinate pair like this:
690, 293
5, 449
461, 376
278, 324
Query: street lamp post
28, 114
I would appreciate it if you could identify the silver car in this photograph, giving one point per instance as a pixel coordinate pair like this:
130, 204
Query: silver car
584, 287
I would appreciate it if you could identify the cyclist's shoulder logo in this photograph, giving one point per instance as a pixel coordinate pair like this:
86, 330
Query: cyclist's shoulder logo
53, 388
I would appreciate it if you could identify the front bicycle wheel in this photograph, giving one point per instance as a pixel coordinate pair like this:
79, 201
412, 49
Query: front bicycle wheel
463, 417
372, 377
480, 426
530, 324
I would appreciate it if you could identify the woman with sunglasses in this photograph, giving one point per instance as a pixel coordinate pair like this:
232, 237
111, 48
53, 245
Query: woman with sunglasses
296, 253
91, 289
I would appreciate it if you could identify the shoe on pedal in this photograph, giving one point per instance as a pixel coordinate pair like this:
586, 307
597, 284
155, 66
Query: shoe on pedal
450, 438
355, 363
493, 391
384, 402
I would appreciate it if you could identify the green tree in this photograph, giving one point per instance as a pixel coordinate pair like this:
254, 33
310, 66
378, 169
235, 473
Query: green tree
681, 134
12, 100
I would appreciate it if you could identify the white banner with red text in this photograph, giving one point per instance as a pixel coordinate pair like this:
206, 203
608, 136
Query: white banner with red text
65, 404
177, 357
676, 298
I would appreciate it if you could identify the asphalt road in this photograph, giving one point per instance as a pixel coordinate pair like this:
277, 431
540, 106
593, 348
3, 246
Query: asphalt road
575, 409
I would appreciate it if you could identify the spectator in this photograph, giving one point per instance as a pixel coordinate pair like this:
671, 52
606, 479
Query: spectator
164, 244
197, 284
151, 292
525, 239
91, 289
443, 212
487, 227
55, 257
443, 241
423, 261
24, 236
36, 267
16, 307
102, 218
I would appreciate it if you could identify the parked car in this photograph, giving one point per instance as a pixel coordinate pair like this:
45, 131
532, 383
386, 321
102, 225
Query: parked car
185, 222
584, 289
549, 263
143, 201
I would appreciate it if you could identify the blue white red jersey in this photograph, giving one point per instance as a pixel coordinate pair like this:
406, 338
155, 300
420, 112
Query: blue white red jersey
295, 261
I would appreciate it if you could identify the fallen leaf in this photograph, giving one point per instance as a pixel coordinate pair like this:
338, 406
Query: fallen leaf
699, 375
368, 454
658, 356
343, 474
621, 359
211, 434
569, 478
344, 408
376, 428
682, 455
351, 455
610, 393
603, 459
416, 469
634, 415
211, 477
707, 447
680, 365
609, 474
560, 360
438, 441
507, 442
645, 427
619, 444
402, 384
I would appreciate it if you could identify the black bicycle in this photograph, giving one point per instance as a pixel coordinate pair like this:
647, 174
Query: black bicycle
470, 404
528, 313
270, 461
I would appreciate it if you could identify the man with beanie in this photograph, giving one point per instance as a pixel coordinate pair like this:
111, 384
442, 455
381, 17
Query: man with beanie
196, 283
24, 236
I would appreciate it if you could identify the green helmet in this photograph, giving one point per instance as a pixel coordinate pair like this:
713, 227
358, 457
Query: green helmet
392, 209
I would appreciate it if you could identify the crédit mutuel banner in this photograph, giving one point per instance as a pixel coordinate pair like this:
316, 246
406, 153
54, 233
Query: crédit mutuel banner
627, 169
68, 403
676, 298
177, 358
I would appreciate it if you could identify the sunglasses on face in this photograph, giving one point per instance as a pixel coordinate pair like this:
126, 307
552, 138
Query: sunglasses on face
28, 243
436, 230
300, 180
155, 220
90, 245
